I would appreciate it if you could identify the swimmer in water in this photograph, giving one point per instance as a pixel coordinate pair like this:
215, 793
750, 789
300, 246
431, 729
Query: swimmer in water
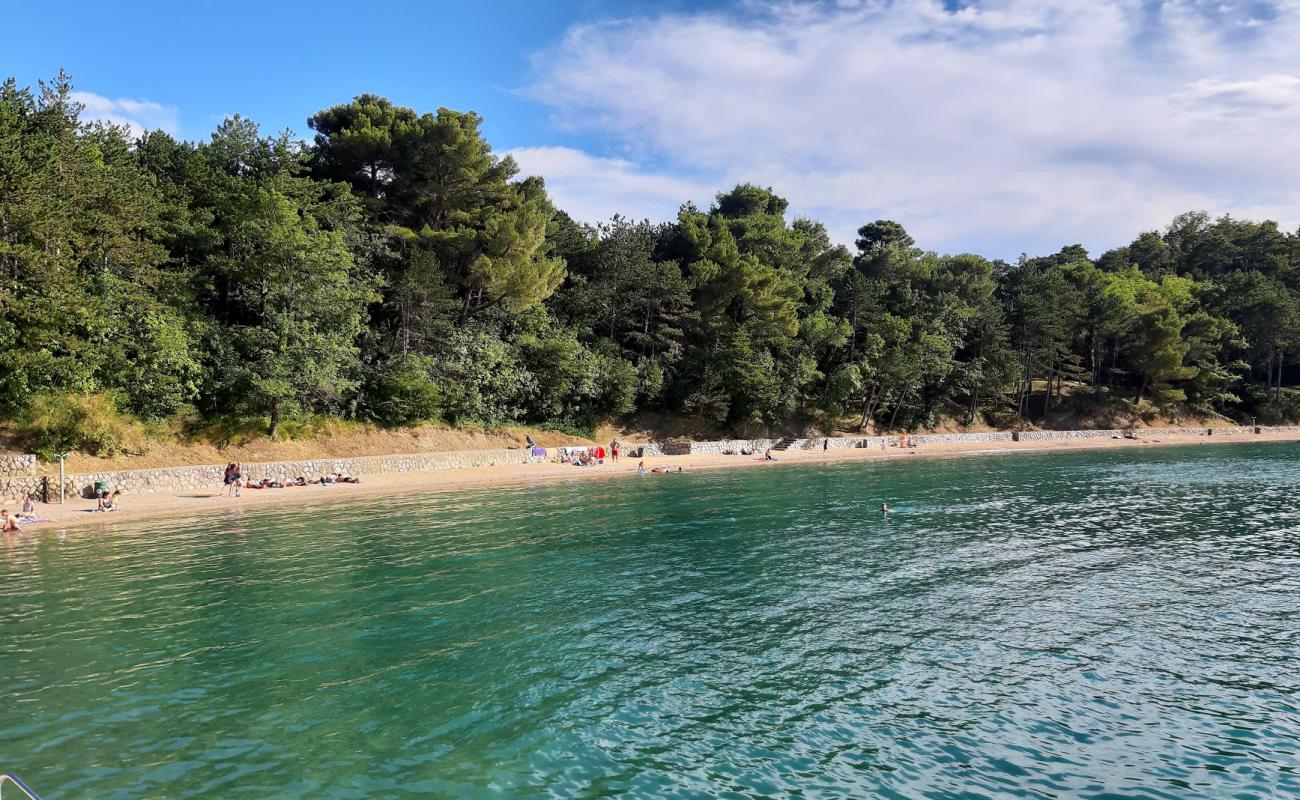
884, 509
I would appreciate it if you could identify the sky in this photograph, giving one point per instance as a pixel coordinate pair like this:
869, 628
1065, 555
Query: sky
988, 126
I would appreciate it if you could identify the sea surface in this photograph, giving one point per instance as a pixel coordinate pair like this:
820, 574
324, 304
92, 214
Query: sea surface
1082, 625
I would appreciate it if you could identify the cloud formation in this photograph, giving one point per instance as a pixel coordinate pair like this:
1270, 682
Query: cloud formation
137, 115
593, 188
992, 126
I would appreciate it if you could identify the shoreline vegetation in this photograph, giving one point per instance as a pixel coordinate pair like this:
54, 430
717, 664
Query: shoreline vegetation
394, 271
79, 512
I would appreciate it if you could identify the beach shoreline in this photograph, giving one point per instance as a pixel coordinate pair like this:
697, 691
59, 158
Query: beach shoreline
78, 512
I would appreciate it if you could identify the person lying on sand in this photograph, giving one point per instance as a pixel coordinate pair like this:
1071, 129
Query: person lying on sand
9, 523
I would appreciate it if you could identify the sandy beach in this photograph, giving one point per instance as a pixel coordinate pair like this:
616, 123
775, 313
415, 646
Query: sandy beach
78, 512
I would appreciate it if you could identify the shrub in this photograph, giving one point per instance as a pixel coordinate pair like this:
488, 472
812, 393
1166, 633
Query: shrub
402, 393
89, 423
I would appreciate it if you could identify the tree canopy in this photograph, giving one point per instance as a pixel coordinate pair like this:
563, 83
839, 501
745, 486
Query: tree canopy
396, 269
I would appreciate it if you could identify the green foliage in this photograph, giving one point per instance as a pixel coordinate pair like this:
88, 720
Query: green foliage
482, 379
403, 392
398, 270
435, 181
62, 423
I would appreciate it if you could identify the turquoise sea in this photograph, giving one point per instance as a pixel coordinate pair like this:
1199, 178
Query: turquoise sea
1083, 625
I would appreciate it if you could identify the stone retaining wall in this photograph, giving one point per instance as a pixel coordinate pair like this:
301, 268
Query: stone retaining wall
180, 479
873, 442
734, 445
17, 464
17, 489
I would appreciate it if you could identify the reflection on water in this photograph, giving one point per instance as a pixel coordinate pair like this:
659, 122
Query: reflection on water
1081, 625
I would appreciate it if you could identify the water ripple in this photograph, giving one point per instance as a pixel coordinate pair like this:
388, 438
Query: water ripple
1093, 625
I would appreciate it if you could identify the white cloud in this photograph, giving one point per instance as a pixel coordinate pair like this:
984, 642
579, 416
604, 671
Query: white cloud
998, 126
592, 189
137, 115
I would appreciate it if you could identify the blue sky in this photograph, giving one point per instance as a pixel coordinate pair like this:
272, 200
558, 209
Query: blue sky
279, 62
992, 126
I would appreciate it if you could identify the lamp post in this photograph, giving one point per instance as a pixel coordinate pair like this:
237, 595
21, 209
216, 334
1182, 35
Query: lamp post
62, 456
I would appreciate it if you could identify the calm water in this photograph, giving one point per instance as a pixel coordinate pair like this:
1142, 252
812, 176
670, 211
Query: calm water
1084, 625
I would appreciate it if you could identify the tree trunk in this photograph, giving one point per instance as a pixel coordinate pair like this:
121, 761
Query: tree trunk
866, 408
406, 330
1142, 389
894, 416
1096, 373
1281, 360
1268, 373
876, 395
275, 419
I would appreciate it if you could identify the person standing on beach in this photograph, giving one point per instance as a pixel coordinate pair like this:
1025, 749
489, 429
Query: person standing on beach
232, 479
613, 450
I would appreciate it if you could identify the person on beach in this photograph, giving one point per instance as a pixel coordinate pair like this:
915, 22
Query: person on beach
614, 445
29, 510
767, 456
640, 470
9, 524
105, 502
232, 479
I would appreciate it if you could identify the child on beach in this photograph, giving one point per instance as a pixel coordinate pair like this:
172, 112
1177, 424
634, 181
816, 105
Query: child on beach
8, 523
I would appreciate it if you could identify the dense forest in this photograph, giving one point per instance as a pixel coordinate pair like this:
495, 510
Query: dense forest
395, 270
